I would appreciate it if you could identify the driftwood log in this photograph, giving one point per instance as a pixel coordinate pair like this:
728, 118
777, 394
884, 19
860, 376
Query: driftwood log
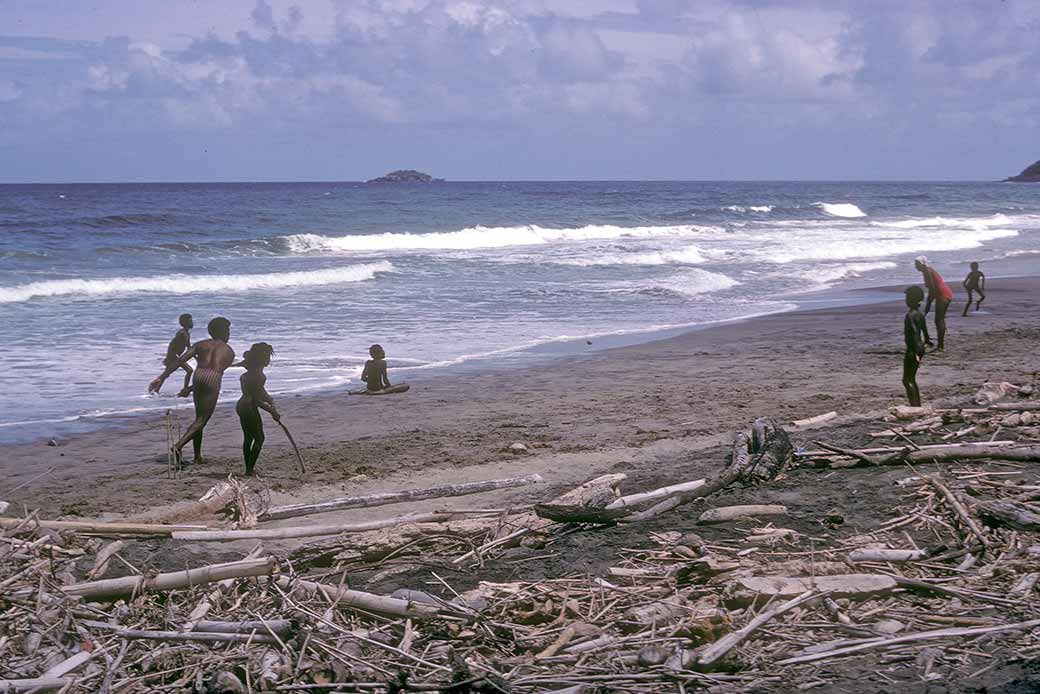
1002, 513
177, 580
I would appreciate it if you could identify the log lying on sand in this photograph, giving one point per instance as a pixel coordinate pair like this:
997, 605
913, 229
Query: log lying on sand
315, 530
368, 602
655, 494
384, 498
1003, 513
858, 556
950, 453
36, 684
187, 636
100, 528
720, 648
818, 419
751, 589
177, 580
728, 513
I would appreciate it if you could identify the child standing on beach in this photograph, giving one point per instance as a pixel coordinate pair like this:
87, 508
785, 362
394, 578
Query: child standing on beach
254, 398
974, 282
374, 373
180, 343
915, 335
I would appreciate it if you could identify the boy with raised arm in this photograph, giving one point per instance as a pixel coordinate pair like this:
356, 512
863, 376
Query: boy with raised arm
180, 343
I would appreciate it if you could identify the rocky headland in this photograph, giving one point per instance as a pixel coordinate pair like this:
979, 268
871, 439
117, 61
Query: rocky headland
1030, 174
405, 176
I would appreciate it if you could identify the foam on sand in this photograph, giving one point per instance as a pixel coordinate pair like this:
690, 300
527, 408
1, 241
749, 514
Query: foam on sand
840, 209
484, 237
191, 284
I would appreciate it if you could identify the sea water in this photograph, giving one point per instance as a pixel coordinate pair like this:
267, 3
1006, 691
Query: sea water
443, 275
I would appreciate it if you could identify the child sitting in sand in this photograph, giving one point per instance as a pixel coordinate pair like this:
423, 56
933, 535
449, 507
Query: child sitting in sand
915, 334
374, 373
254, 398
974, 282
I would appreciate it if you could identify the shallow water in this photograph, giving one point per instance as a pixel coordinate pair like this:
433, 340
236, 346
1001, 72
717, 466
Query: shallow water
93, 277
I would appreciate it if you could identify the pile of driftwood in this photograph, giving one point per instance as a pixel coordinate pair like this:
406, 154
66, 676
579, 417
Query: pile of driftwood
947, 584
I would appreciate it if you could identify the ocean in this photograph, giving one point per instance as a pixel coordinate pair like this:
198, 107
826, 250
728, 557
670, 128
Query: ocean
446, 276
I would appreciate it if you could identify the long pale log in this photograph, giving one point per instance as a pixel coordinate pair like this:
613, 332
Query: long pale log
736, 469
720, 648
833, 450
655, 494
818, 419
858, 556
1024, 454
369, 602
316, 530
190, 636
99, 528
68, 665
870, 644
728, 513
384, 498
1019, 406
178, 580
35, 683
277, 626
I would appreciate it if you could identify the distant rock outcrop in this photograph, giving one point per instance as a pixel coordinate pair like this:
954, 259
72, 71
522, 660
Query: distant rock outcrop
1031, 174
405, 176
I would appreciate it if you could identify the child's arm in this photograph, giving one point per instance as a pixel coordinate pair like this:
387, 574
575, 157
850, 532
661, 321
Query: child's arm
966, 281
155, 385
922, 329
385, 380
366, 373
982, 281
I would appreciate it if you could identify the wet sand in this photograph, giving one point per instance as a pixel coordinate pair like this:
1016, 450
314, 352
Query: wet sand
639, 409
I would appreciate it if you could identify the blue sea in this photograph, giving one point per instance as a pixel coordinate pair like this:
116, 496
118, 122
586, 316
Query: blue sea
483, 275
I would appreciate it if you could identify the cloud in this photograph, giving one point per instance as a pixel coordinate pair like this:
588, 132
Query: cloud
537, 68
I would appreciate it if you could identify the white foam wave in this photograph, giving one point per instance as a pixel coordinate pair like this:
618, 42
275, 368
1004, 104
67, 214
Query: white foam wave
840, 209
687, 256
485, 237
694, 283
829, 275
977, 222
191, 284
826, 245
1018, 254
748, 208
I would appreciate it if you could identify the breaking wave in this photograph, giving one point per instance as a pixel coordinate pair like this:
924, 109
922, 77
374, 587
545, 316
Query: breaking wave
687, 256
748, 208
484, 237
829, 275
190, 284
932, 222
840, 209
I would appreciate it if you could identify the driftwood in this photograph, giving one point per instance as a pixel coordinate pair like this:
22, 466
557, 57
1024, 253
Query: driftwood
728, 513
870, 644
177, 580
384, 498
958, 507
720, 648
368, 602
818, 419
580, 514
655, 494
281, 627
36, 684
895, 449
753, 589
186, 636
100, 528
860, 556
315, 530
1002, 513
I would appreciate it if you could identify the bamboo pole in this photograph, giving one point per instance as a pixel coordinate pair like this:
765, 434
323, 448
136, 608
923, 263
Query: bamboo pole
384, 498
133, 585
316, 530
100, 528
191, 636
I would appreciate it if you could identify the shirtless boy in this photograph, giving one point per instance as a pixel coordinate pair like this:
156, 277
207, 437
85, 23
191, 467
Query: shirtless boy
975, 282
374, 373
212, 358
178, 345
915, 335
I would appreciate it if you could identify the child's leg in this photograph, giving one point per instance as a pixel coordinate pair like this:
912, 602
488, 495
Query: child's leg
982, 297
967, 305
910, 366
186, 390
258, 443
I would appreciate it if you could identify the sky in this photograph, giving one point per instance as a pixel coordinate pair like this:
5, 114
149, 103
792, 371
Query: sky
244, 90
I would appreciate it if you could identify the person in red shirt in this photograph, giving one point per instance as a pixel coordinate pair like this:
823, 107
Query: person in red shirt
940, 293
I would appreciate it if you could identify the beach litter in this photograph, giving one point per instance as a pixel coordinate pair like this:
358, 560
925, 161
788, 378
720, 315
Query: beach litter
943, 585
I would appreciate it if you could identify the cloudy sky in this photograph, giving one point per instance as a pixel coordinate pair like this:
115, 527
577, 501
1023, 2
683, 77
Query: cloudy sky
201, 90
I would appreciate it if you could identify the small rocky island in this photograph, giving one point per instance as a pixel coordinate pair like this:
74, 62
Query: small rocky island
1031, 174
406, 176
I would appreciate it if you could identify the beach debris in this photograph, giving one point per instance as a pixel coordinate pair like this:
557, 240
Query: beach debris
992, 392
728, 513
517, 448
813, 421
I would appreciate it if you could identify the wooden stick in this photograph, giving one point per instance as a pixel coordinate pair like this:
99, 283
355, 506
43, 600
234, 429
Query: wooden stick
296, 450
957, 507
894, 555
369, 602
99, 528
730, 641
37, 683
68, 665
277, 626
384, 498
656, 494
178, 580
316, 530
150, 635
891, 449
723, 514
818, 419
870, 644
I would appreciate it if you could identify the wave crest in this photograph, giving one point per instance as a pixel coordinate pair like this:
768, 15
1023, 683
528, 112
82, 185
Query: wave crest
190, 284
484, 237
687, 256
840, 209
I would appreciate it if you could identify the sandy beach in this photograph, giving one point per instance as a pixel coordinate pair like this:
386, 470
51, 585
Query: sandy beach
635, 408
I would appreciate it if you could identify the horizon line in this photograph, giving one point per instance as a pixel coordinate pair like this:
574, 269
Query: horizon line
515, 180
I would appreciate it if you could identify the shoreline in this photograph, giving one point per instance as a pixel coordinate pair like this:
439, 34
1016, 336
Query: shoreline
624, 406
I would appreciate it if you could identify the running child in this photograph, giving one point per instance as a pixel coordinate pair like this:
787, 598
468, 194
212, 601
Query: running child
180, 343
975, 282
